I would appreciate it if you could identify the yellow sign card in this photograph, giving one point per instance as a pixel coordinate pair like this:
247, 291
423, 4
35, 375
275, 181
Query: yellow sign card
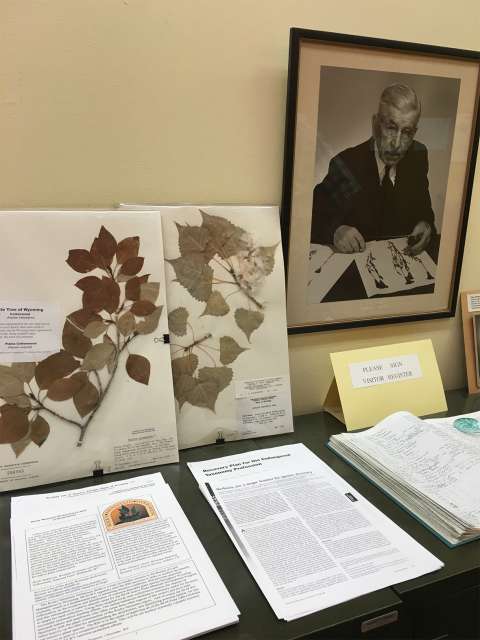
372, 383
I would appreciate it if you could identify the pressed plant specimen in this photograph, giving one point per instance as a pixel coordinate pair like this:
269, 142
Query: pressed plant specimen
221, 266
118, 304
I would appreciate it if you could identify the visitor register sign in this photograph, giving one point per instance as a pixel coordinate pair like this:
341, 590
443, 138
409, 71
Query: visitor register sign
372, 383
385, 370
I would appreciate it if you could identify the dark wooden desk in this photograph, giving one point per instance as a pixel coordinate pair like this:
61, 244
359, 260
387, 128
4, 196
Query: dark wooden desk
439, 605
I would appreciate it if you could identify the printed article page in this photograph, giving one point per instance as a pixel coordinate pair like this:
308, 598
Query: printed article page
120, 560
309, 539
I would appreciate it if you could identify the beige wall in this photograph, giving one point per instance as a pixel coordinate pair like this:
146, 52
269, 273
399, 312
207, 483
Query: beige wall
104, 101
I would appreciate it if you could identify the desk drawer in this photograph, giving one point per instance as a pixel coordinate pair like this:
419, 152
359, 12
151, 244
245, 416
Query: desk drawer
456, 617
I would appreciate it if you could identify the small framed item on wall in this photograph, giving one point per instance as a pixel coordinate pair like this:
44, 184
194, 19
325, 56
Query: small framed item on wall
380, 150
470, 304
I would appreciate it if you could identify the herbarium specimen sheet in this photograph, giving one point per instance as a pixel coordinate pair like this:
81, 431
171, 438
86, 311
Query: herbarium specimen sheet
226, 310
85, 375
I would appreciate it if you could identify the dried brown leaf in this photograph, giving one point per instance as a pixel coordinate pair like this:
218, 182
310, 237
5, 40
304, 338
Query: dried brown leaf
39, 430
203, 394
24, 371
131, 266
112, 360
56, 366
103, 249
98, 356
132, 288
142, 308
10, 385
13, 424
221, 376
64, 388
150, 324
95, 329
108, 340
138, 368
111, 363
182, 386
108, 241
86, 399
19, 446
185, 365
80, 260
112, 294
82, 317
81, 377
74, 341
89, 283
177, 321
216, 305
193, 274
229, 350
95, 296
149, 291
127, 248
22, 401
126, 323
195, 240
248, 320
227, 239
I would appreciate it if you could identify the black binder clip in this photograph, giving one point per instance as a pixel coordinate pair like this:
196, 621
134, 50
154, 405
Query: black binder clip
97, 471
166, 338
220, 439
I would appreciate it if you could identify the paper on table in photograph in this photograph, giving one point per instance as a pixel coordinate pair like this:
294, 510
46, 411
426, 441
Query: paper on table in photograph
385, 267
85, 377
228, 337
144, 571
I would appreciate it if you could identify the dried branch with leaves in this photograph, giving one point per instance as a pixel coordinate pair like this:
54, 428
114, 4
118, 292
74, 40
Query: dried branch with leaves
118, 304
218, 262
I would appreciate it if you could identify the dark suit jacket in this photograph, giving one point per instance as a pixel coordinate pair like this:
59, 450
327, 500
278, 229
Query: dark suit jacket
350, 194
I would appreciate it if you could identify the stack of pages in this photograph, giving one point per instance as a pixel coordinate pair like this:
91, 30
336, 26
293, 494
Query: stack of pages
428, 466
115, 560
308, 538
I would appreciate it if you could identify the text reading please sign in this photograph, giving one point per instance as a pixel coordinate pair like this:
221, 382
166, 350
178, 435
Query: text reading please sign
385, 370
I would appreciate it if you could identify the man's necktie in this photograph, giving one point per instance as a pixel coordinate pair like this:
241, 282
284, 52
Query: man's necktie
387, 184
387, 191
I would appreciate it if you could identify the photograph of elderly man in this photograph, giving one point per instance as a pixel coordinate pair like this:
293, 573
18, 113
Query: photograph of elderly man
383, 148
379, 188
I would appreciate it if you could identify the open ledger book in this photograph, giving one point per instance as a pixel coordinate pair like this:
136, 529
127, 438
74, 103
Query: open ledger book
429, 467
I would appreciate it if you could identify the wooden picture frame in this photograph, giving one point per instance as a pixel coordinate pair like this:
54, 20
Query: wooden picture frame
358, 108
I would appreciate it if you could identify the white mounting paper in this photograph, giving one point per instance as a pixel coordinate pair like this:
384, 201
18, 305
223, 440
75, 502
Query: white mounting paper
226, 303
64, 417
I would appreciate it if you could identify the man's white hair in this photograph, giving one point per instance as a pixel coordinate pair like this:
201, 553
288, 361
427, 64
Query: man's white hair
400, 96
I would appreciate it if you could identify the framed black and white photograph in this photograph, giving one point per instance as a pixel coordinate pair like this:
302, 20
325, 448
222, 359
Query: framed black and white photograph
380, 150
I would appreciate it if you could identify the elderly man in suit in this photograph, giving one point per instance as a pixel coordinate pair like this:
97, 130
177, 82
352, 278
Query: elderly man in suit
378, 189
